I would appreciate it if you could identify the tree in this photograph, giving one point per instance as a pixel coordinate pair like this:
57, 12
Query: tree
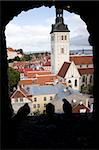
20, 50
26, 57
17, 58
13, 78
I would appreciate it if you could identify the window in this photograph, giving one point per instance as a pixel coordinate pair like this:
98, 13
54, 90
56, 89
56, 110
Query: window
87, 66
65, 37
62, 37
34, 105
75, 82
16, 100
69, 81
62, 50
82, 110
80, 66
21, 99
44, 105
35, 99
52, 38
38, 105
91, 79
83, 79
44, 98
51, 98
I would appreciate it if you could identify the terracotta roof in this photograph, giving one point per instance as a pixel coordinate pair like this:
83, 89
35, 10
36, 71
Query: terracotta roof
19, 63
25, 82
25, 69
48, 63
39, 79
62, 72
86, 70
20, 93
31, 74
78, 60
42, 79
10, 49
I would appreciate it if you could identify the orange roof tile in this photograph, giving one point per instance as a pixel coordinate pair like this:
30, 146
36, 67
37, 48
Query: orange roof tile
25, 82
31, 74
82, 59
86, 70
63, 70
10, 49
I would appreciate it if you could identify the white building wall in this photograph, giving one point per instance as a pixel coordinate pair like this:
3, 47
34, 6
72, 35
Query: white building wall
11, 55
72, 75
57, 44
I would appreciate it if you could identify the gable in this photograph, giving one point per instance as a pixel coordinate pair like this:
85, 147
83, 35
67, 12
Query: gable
78, 107
18, 94
72, 71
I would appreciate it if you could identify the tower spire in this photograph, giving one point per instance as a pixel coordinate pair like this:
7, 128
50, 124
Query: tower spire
59, 12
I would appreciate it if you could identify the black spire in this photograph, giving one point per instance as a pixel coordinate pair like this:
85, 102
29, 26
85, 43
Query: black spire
59, 25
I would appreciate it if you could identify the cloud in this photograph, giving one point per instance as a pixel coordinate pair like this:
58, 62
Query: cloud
37, 37
27, 37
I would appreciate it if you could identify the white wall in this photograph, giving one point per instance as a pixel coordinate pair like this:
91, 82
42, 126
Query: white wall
58, 58
72, 75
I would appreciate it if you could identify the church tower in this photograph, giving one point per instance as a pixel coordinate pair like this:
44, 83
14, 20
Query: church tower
59, 42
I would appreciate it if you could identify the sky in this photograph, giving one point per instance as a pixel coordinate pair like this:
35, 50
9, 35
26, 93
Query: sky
30, 30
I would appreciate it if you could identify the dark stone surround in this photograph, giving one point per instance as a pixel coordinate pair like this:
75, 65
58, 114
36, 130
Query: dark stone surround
88, 12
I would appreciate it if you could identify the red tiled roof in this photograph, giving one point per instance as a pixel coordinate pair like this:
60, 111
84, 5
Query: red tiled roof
22, 63
25, 69
86, 70
25, 82
62, 72
20, 93
42, 79
11, 49
82, 59
48, 63
31, 74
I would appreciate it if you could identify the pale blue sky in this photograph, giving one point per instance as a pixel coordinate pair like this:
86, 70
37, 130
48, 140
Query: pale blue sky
30, 30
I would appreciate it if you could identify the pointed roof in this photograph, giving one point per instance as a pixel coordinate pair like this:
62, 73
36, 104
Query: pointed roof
20, 93
62, 72
59, 25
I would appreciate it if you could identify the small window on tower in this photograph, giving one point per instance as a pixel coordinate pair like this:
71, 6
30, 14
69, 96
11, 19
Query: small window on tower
52, 38
62, 37
62, 50
65, 37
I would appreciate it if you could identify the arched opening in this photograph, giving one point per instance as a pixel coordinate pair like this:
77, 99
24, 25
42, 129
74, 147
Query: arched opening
76, 8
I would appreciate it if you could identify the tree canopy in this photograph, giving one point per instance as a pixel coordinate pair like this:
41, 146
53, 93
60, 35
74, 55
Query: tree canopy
13, 78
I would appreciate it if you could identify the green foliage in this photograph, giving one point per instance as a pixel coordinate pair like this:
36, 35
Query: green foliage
13, 78
88, 89
26, 57
17, 58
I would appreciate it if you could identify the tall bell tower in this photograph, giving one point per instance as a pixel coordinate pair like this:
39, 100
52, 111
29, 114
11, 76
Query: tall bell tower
59, 42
